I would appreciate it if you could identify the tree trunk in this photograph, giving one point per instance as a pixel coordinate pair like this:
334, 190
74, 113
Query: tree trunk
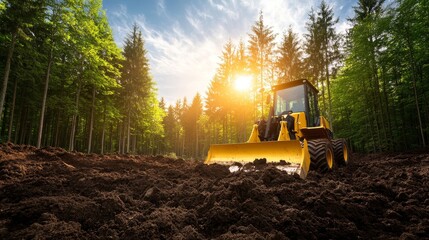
103, 131
387, 111
57, 128
196, 140
376, 92
416, 99
111, 138
128, 132
134, 150
74, 120
262, 84
91, 121
119, 136
7, 71
123, 136
23, 124
45, 94
12, 111
183, 143
176, 139
328, 85
72, 132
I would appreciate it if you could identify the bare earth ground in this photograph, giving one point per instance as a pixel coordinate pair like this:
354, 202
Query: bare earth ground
53, 194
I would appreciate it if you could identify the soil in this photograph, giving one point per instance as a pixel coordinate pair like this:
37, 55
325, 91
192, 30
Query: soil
50, 193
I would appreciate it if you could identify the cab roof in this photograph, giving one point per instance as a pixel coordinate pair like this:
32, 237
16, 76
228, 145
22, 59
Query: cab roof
293, 84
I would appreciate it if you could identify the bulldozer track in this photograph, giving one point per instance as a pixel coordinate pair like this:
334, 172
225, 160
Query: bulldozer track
320, 152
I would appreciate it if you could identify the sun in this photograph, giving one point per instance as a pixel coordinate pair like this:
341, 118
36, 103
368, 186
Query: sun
243, 83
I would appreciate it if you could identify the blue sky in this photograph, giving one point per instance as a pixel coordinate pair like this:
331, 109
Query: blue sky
184, 38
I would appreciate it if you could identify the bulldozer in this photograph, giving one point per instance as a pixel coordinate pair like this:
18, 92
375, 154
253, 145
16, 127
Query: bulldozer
295, 137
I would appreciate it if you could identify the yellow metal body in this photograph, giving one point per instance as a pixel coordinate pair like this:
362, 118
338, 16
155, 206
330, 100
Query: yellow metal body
290, 151
293, 151
319, 132
284, 133
324, 123
254, 136
300, 123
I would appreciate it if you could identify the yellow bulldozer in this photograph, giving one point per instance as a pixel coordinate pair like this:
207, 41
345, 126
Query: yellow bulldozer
295, 136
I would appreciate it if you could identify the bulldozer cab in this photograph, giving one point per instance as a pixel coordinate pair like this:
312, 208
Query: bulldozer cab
296, 96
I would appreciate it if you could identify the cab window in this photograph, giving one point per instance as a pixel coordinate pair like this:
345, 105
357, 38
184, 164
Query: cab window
313, 115
290, 99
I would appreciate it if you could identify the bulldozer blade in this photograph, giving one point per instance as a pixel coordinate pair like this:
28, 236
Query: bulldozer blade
293, 152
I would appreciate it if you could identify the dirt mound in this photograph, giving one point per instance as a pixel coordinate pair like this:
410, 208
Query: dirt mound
50, 193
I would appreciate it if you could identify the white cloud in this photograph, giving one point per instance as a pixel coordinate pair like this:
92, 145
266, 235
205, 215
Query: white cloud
204, 14
229, 8
343, 26
121, 11
280, 14
160, 7
193, 19
181, 64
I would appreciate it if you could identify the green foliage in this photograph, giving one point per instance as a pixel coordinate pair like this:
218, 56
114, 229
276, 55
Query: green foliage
2, 7
85, 57
380, 97
138, 96
289, 62
323, 54
261, 61
191, 127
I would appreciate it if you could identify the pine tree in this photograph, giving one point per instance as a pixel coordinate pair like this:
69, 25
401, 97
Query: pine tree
140, 107
329, 47
363, 82
289, 61
17, 18
190, 118
312, 47
411, 52
261, 45
323, 55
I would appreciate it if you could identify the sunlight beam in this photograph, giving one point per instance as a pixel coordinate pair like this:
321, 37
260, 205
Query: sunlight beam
243, 83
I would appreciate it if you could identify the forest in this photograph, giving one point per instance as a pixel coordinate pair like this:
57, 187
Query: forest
67, 84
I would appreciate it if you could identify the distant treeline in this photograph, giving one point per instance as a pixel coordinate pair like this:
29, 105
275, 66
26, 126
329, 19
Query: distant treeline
67, 84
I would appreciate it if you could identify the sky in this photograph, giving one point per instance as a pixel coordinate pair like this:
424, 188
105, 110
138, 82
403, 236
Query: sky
185, 38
